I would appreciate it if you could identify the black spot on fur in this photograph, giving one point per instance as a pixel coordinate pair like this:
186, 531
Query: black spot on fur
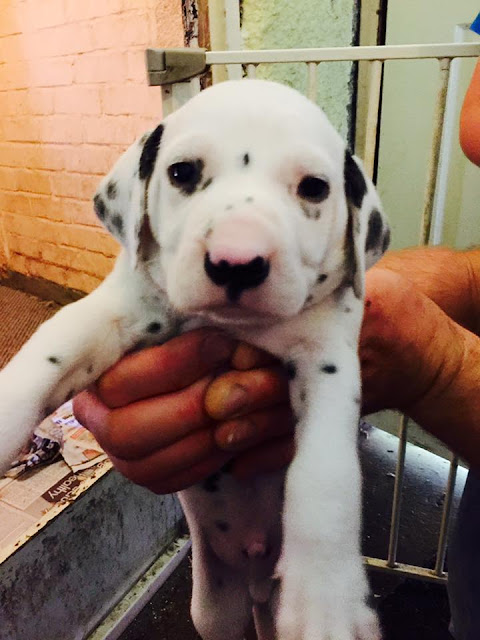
222, 526
348, 310
149, 153
54, 359
99, 206
311, 211
116, 222
154, 327
291, 369
246, 160
328, 368
249, 199
303, 395
90, 369
375, 230
351, 266
207, 183
355, 184
210, 484
112, 190
386, 240
322, 277
309, 298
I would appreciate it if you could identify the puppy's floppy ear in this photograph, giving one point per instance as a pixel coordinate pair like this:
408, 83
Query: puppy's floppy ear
121, 201
367, 235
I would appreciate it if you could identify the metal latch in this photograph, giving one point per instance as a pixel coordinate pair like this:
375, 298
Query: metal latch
166, 66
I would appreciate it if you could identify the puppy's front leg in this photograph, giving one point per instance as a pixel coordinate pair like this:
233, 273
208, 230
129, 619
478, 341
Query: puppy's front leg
324, 587
73, 348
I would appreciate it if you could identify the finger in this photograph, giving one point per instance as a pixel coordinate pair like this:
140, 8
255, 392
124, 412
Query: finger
267, 458
90, 411
177, 458
236, 393
188, 477
134, 431
169, 367
256, 428
246, 357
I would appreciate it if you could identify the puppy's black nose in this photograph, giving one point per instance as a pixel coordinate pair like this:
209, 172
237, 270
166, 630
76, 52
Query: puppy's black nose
237, 277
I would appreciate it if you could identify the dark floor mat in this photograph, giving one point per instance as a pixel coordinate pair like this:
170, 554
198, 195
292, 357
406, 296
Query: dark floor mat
20, 314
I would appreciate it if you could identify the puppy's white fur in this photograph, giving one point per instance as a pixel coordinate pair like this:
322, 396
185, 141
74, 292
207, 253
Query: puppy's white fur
252, 143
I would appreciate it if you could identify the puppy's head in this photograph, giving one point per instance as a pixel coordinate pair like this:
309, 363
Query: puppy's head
245, 203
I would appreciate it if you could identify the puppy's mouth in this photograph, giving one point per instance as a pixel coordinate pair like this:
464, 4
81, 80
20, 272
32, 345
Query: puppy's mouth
234, 313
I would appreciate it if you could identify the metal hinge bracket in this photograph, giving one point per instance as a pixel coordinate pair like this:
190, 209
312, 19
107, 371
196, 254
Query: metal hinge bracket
166, 66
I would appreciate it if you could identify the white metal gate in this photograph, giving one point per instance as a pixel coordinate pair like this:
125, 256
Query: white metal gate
177, 71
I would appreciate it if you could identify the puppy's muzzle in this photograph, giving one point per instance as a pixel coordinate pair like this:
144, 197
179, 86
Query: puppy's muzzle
237, 277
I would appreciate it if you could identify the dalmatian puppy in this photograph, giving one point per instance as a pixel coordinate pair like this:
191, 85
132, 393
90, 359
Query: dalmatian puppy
243, 210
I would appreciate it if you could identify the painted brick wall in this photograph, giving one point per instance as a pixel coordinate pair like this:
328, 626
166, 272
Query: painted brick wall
73, 96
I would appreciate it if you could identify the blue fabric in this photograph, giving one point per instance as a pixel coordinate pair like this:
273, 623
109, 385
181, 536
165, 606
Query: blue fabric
464, 564
475, 26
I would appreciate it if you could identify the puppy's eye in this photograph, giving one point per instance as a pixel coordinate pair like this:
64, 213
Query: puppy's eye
185, 174
313, 189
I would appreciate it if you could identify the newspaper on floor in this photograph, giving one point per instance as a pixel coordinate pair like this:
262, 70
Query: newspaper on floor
60, 434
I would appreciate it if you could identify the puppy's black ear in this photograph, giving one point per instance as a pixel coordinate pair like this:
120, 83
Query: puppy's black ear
367, 234
121, 201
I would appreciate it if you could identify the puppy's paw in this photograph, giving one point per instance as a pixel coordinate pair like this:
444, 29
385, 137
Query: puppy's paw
321, 602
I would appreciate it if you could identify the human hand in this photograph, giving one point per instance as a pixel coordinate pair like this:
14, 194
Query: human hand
167, 422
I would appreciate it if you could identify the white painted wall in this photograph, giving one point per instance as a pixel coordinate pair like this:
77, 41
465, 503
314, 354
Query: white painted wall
408, 103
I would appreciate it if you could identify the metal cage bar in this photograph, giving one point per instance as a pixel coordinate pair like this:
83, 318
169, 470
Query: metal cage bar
174, 95
397, 493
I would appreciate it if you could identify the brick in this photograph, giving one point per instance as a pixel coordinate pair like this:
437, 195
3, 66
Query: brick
89, 9
14, 75
38, 15
51, 72
12, 46
75, 185
119, 130
85, 261
41, 206
90, 158
25, 180
132, 99
10, 22
77, 99
60, 128
72, 235
62, 40
21, 129
122, 31
98, 67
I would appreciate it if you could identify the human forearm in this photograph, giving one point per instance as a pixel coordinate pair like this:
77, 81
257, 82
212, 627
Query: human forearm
470, 119
450, 410
449, 277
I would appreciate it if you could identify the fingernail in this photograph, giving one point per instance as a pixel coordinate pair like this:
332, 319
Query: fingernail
217, 348
238, 437
235, 400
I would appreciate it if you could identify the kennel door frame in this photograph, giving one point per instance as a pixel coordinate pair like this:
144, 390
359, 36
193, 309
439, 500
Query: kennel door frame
177, 71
